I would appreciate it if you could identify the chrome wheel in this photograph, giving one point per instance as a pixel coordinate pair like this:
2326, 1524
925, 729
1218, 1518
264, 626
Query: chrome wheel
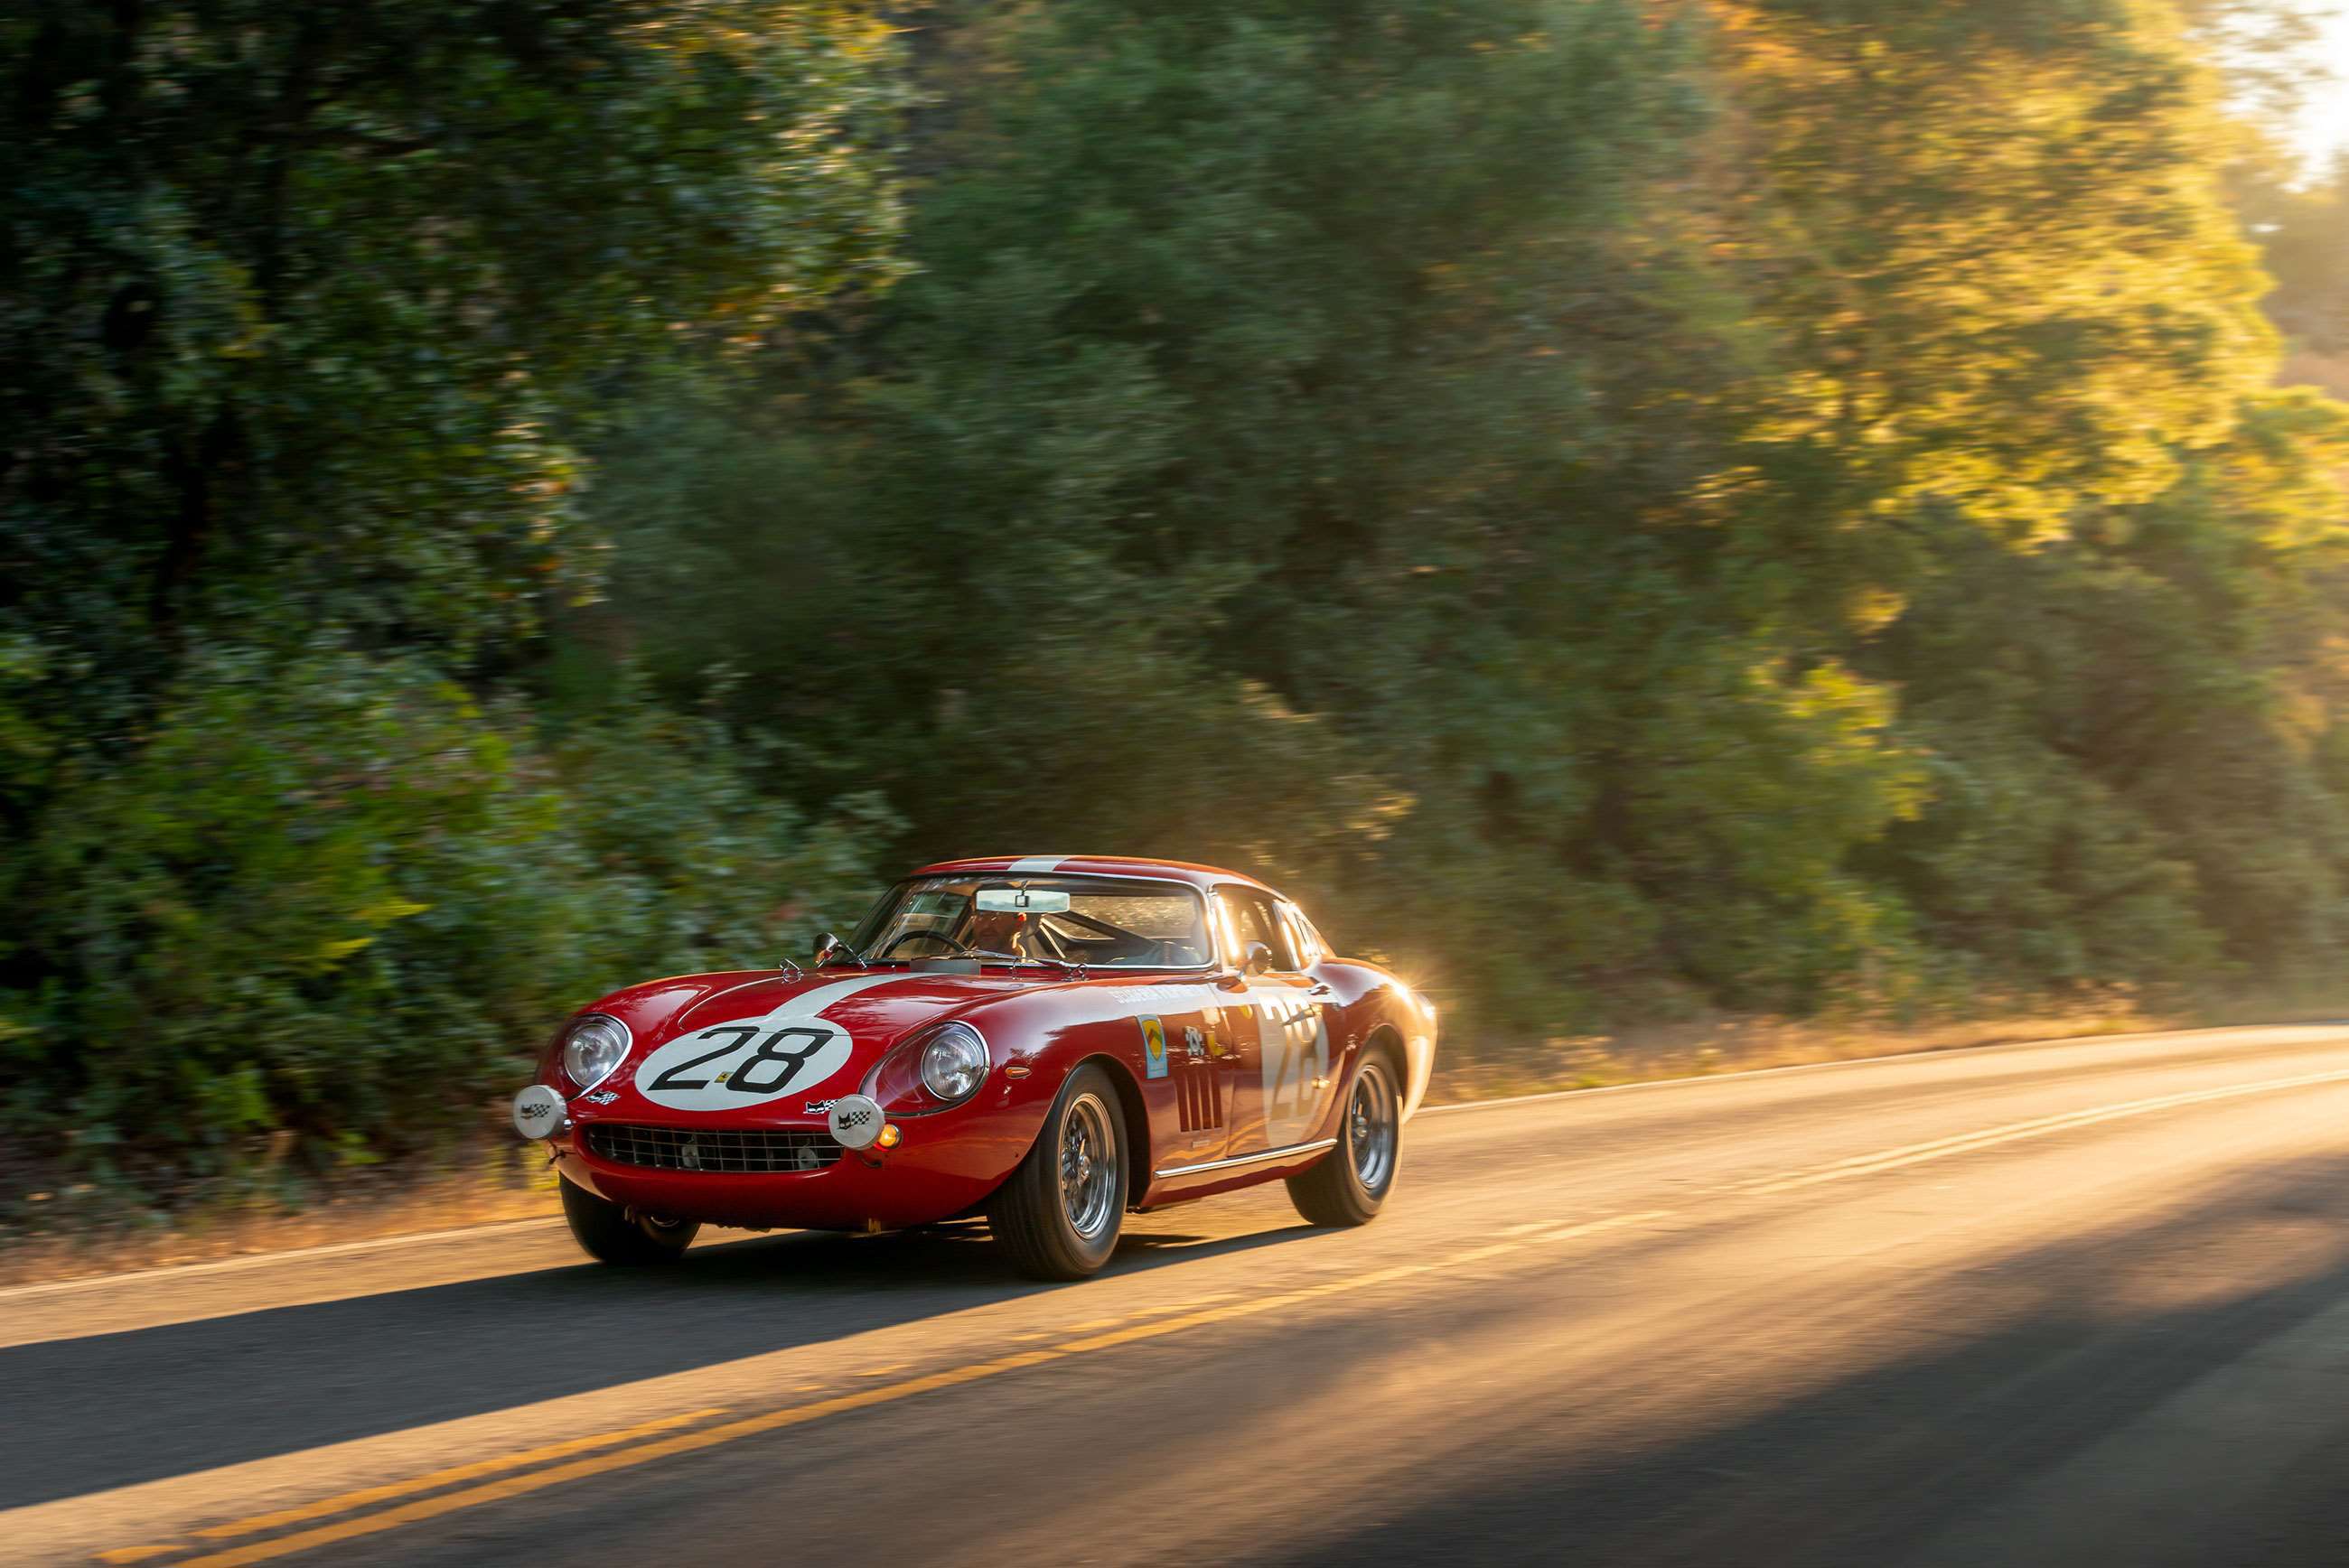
1371, 1128
1089, 1184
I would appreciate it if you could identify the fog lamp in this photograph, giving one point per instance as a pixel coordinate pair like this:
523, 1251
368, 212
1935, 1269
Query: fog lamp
855, 1120
537, 1112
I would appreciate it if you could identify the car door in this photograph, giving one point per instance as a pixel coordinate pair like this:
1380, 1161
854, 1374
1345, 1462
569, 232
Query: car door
1278, 1027
1170, 1025
1188, 1027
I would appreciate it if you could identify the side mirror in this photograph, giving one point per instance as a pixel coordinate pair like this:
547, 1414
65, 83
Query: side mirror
826, 944
1256, 958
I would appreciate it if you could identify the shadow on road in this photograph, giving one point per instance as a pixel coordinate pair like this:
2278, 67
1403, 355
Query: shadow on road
113, 1409
1906, 1408
2053, 1351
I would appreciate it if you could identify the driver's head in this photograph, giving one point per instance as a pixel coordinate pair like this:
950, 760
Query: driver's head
999, 932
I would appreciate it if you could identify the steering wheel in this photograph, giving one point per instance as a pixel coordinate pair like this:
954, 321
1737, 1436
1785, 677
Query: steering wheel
940, 937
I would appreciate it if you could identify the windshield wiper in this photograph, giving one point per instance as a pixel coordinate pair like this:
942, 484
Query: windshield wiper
1066, 966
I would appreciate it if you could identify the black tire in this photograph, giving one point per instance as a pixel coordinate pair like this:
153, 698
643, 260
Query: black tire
613, 1234
1353, 1179
1059, 1214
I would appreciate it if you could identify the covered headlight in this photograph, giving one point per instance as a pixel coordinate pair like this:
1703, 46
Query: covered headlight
954, 1062
538, 1112
593, 1047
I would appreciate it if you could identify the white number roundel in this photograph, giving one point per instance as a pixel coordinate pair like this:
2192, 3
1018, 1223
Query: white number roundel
747, 1062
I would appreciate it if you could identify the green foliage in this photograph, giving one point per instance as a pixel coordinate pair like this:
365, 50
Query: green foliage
1270, 462
2133, 752
1626, 508
336, 896
305, 308
1591, 547
1995, 258
305, 315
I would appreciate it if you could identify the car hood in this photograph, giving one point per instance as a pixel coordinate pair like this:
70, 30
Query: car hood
877, 1005
874, 1008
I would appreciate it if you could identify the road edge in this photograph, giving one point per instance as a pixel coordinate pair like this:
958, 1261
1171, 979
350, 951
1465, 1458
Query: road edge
420, 1238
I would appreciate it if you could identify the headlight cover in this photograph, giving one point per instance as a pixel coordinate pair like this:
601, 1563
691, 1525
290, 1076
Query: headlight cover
954, 1063
593, 1048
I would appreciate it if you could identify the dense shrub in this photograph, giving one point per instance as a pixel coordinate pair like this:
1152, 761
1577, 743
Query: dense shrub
337, 897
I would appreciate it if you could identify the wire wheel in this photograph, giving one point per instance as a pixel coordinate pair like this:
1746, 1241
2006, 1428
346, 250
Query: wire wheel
1089, 1173
1372, 1127
1347, 1185
1058, 1215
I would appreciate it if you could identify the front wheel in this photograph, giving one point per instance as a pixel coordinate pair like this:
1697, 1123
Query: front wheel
614, 1234
1353, 1179
1059, 1214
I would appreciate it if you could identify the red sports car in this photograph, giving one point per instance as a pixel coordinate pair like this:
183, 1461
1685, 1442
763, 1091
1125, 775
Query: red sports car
1048, 1041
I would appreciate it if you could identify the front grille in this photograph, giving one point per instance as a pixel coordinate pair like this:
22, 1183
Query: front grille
694, 1148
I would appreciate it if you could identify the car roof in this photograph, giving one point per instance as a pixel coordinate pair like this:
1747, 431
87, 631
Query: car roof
1198, 876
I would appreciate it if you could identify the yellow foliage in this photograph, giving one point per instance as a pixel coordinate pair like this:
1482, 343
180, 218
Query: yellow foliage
2003, 262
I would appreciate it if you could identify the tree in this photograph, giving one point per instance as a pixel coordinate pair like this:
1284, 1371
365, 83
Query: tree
304, 305
304, 311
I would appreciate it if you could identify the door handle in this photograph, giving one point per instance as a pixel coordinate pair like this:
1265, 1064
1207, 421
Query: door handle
1320, 988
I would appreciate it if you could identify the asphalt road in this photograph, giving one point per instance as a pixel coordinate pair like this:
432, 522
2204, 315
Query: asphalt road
2083, 1303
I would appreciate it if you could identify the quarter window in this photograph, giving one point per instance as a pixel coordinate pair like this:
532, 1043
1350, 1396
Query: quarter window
1249, 917
1301, 936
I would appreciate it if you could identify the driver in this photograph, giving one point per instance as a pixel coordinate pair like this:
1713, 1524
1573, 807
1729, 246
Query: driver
993, 931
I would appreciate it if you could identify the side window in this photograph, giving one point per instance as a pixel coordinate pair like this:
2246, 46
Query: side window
1302, 938
1249, 917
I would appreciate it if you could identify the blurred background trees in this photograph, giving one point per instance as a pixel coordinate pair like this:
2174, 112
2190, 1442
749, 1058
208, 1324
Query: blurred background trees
1630, 509
309, 318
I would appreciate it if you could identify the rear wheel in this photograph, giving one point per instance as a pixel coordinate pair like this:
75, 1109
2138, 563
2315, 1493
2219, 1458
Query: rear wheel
1353, 1179
614, 1235
1057, 1216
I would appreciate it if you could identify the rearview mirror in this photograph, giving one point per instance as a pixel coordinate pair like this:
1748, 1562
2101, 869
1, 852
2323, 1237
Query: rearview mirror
1020, 901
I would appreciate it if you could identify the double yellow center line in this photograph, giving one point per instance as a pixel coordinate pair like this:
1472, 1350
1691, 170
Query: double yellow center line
681, 1442
603, 1452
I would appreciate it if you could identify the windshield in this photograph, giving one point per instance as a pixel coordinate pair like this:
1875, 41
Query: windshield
1102, 923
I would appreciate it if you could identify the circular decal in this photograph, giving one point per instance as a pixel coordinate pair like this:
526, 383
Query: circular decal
747, 1062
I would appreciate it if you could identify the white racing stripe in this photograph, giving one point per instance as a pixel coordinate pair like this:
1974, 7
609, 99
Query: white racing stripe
1034, 865
808, 1004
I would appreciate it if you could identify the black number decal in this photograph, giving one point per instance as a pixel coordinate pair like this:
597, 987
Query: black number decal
670, 1079
792, 1060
